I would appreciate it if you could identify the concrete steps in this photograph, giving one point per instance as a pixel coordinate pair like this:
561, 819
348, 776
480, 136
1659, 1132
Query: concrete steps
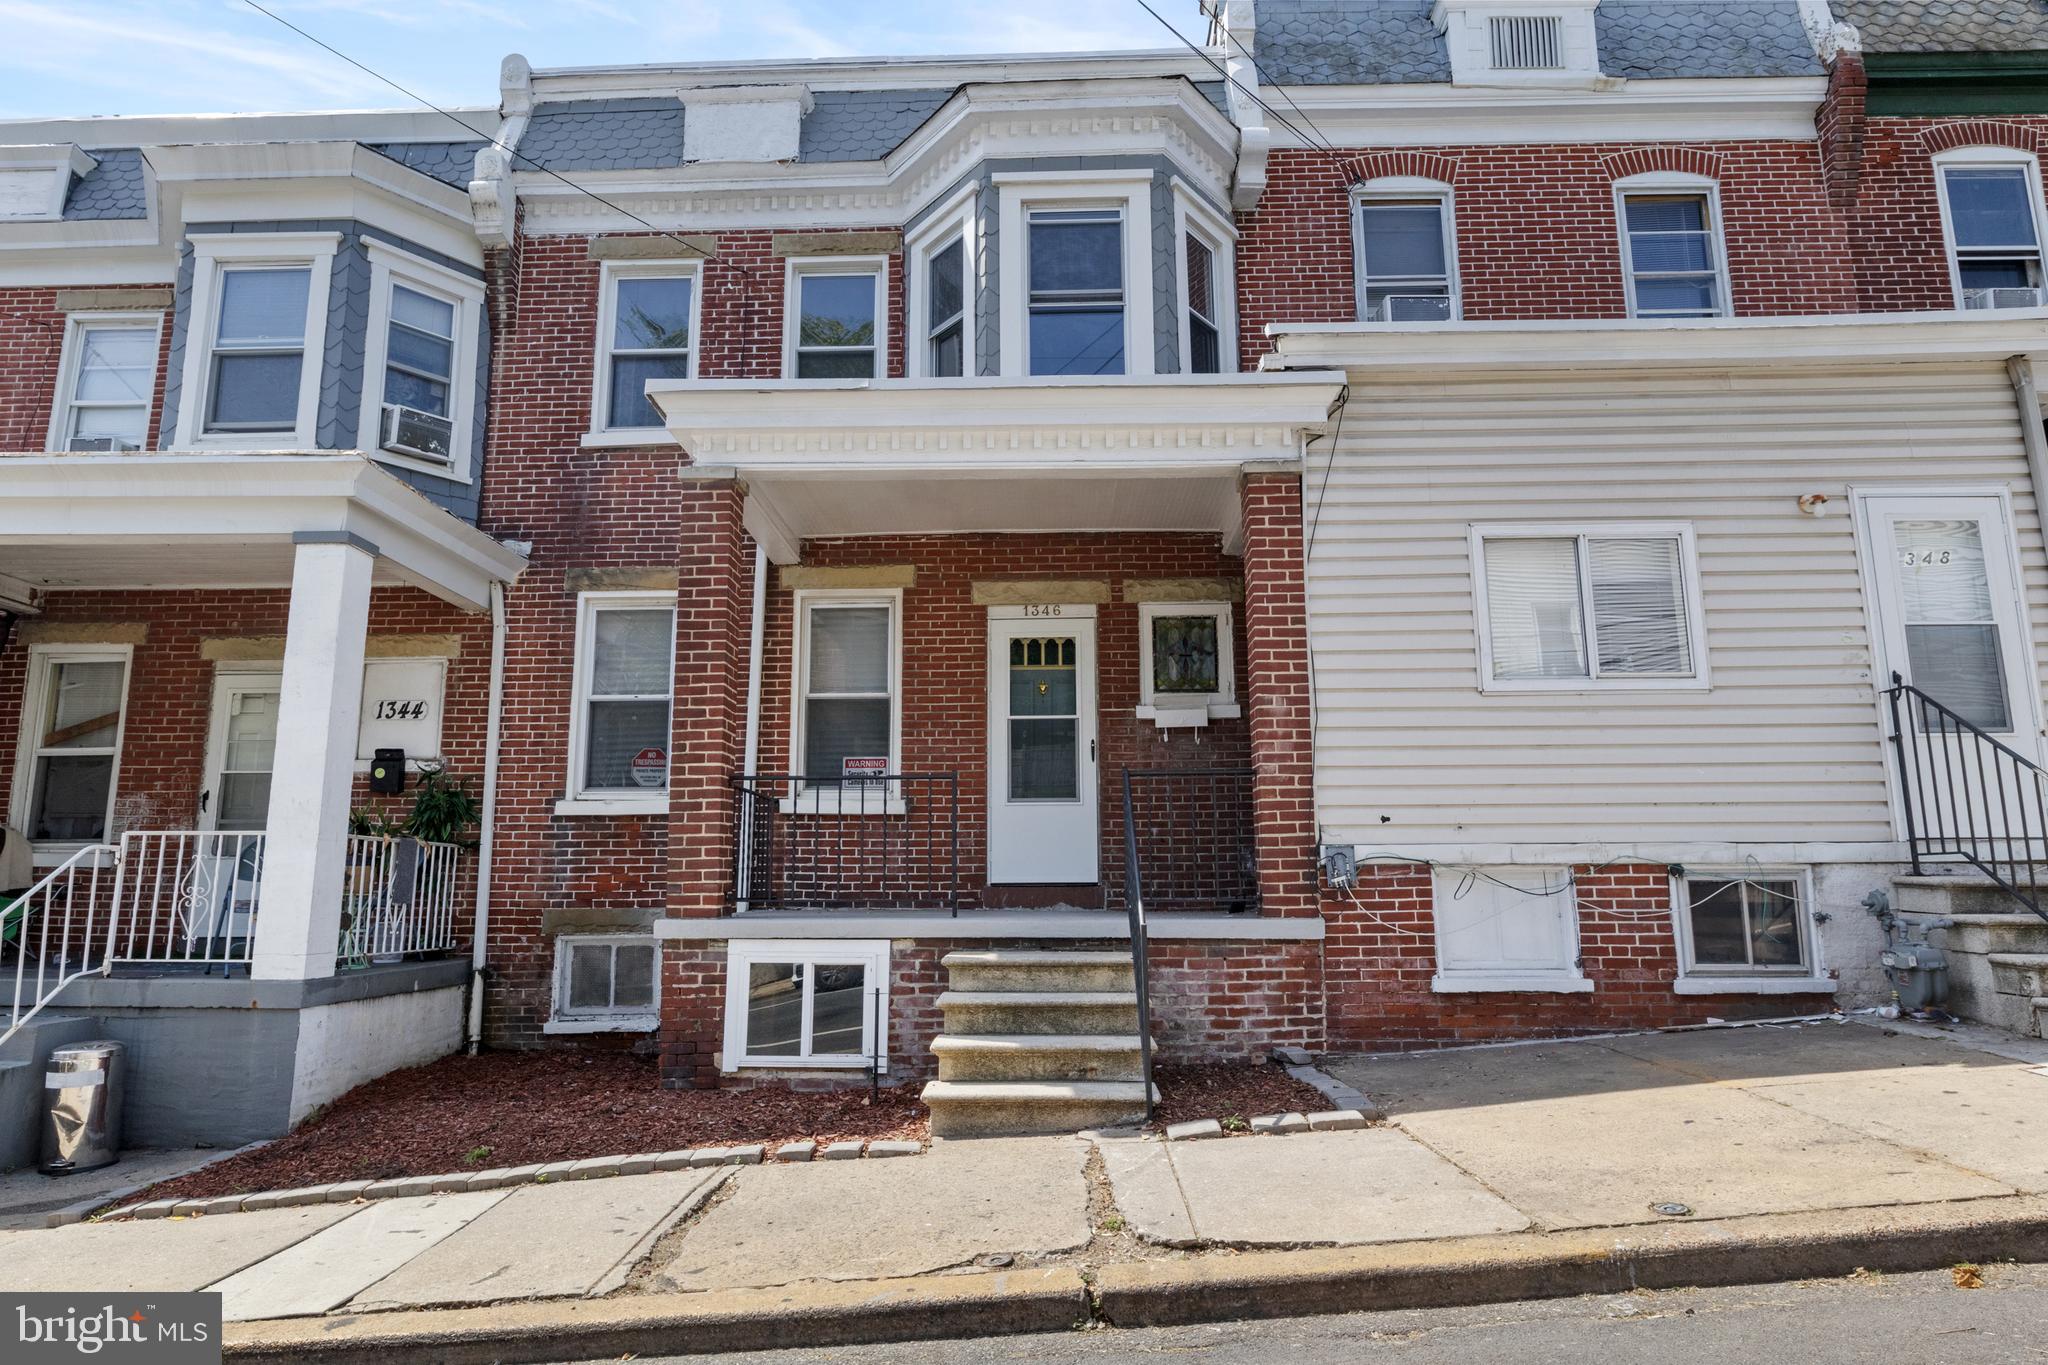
1036, 1042
1997, 950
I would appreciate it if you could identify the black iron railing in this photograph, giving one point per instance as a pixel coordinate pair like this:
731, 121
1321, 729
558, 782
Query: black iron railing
1965, 794
886, 842
1193, 834
1134, 907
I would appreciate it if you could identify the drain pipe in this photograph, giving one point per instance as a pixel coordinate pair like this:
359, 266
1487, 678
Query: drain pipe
751, 752
481, 929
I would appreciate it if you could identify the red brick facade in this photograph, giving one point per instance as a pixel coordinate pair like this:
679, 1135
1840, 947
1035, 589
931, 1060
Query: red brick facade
31, 360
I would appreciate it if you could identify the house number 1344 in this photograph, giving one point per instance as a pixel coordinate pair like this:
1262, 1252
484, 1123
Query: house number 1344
401, 710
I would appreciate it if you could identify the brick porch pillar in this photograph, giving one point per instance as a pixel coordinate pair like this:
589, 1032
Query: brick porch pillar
1276, 667
714, 564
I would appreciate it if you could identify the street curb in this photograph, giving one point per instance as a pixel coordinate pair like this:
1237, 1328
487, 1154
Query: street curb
1049, 1299
1461, 1272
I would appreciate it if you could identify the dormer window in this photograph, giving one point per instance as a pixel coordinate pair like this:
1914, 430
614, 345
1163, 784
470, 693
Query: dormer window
258, 323
1527, 42
36, 179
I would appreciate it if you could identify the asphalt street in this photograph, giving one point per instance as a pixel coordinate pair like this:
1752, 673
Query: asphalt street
1875, 1320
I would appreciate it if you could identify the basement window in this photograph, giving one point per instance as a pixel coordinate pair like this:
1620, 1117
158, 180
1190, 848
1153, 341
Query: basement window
606, 983
1746, 924
807, 1003
1507, 929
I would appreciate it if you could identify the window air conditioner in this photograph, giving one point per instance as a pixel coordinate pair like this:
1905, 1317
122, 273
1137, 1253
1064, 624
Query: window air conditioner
113, 444
1412, 308
408, 431
1978, 299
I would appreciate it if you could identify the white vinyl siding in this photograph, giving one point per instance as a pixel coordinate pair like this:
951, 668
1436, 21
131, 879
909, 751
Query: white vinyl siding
1786, 746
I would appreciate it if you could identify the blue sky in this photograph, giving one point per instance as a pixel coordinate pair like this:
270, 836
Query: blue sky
190, 56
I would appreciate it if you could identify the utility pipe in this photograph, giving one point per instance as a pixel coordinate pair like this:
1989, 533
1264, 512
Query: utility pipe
481, 930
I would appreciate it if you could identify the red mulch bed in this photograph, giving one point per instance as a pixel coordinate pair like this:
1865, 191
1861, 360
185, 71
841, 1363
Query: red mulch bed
1241, 1090
516, 1108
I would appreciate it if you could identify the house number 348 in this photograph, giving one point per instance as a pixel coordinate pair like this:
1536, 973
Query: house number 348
401, 710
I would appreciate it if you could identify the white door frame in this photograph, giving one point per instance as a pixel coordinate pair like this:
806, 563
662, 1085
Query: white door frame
1021, 851
225, 684
1991, 505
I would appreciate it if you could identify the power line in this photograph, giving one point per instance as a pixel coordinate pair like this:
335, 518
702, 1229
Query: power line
513, 152
1266, 79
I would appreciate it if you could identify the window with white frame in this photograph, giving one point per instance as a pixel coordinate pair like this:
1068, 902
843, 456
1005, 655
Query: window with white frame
619, 733
848, 651
647, 325
1507, 928
1671, 248
806, 1003
607, 980
1992, 208
1205, 337
1076, 305
107, 382
1076, 274
1747, 924
1208, 312
1407, 255
1185, 655
424, 320
71, 742
1608, 606
945, 309
835, 324
258, 349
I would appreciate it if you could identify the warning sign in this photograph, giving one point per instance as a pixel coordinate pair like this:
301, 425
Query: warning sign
863, 769
650, 767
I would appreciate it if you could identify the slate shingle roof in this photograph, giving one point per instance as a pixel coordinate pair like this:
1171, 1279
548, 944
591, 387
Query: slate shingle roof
1392, 42
864, 125
1948, 25
605, 135
112, 189
451, 163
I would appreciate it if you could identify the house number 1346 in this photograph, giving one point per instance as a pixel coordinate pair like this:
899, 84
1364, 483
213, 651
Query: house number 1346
1043, 610
401, 710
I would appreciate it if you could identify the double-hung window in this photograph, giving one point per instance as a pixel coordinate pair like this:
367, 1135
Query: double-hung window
945, 307
847, 679
1205, 337
1672, 248
1616, 606
807, 1003
259, 349
1993, 212
835, 320
423, 342
1407, 257
605, 982
1076, 306
619, 734
1753, 924
646, 330
72, 740
109, 377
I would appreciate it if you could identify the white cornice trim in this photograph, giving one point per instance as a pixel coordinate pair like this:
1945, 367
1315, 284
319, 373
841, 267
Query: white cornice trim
1123, 422
1611, 343
863, 73
214, 164
355, 125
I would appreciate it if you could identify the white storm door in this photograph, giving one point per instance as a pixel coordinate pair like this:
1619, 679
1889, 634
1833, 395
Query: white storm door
1043, 787
240, 751
1951, 622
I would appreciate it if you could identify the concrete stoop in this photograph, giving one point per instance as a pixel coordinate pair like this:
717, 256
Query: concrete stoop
1036, 1042
1997, 951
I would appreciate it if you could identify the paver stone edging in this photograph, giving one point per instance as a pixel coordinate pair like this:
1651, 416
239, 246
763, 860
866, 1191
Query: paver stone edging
554, 1172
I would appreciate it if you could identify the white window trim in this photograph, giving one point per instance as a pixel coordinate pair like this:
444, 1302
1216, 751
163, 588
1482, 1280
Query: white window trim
1019, 192
75, 327
600, 433
213, 254
1986, 158
389, 266
870, 954
1675, 183
1406, 187
633, 1020
41, 659
1568, 978
954, 218
1222, 703
1193, 217
1701, 678
606, 800
795, 269
1696, 979
836, 800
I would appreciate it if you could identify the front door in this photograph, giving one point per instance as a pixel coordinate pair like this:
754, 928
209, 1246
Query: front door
1042, 825
227, 865
1950, 622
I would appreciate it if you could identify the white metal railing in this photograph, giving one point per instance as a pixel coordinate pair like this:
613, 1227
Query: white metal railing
186, 896
49, 930
399, 898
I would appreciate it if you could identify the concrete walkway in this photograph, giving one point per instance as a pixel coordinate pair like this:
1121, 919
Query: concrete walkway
1482, 1144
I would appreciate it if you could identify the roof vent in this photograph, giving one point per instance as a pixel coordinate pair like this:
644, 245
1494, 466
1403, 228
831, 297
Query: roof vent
1520, 42
1527, 42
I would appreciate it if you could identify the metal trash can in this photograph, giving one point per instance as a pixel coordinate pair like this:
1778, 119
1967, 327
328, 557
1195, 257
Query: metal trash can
82, 1085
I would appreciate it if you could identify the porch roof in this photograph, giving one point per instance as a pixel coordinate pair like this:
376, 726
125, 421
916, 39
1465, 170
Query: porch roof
167, 519
879, 457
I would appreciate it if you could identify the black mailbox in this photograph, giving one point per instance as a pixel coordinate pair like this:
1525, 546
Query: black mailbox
387, 772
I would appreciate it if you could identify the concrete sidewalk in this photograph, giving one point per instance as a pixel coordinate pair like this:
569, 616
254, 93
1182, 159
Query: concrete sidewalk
1518, 1154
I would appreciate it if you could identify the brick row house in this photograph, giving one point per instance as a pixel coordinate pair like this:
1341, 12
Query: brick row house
1427, 499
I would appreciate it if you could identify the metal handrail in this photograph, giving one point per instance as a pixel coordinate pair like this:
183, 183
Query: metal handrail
40, 903
1966, 794
1134, 908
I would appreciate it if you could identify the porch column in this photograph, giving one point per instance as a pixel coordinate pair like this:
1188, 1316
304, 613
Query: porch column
298, 921
1276, 668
